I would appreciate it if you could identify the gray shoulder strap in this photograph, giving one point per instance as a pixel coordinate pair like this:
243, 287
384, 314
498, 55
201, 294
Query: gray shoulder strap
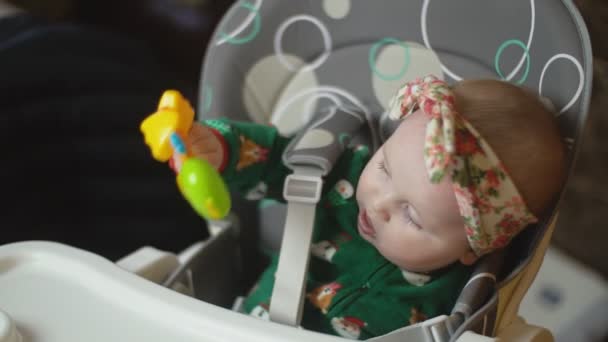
311, 155
324, 140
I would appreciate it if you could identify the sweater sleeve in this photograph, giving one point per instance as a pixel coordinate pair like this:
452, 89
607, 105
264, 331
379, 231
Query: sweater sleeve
252, 164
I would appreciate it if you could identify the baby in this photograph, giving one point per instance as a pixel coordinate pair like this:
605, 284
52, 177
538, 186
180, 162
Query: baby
468, 167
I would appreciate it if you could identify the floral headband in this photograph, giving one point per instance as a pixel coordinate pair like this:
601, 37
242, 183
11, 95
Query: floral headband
492, 208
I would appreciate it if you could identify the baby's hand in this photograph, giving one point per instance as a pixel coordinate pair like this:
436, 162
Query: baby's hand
204, 144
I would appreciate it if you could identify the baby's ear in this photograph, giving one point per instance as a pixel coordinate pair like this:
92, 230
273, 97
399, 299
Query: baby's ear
468, 258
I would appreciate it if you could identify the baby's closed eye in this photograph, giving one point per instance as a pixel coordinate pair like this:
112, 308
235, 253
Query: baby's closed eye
410, 216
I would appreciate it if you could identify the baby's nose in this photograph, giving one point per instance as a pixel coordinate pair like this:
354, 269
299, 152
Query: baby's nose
384, 215
381, 211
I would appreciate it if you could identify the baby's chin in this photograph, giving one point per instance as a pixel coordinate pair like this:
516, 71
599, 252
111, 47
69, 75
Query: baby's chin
419, 266
412, 267
357, 196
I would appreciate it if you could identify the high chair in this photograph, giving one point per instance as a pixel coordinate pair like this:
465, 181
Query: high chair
285, 63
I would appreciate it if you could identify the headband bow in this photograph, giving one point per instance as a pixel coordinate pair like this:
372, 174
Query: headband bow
490, 205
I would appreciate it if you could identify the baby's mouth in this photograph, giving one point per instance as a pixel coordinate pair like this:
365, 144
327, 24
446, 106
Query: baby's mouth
364, 225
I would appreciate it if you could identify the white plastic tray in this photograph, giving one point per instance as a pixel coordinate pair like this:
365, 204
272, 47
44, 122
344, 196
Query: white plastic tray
56, 293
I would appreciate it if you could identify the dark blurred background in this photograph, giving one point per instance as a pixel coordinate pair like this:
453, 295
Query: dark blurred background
176, 30
173, 34
77, 79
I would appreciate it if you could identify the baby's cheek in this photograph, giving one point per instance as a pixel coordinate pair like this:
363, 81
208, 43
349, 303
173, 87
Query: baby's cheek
409, 251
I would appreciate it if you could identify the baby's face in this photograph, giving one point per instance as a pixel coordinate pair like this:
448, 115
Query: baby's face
412, 222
